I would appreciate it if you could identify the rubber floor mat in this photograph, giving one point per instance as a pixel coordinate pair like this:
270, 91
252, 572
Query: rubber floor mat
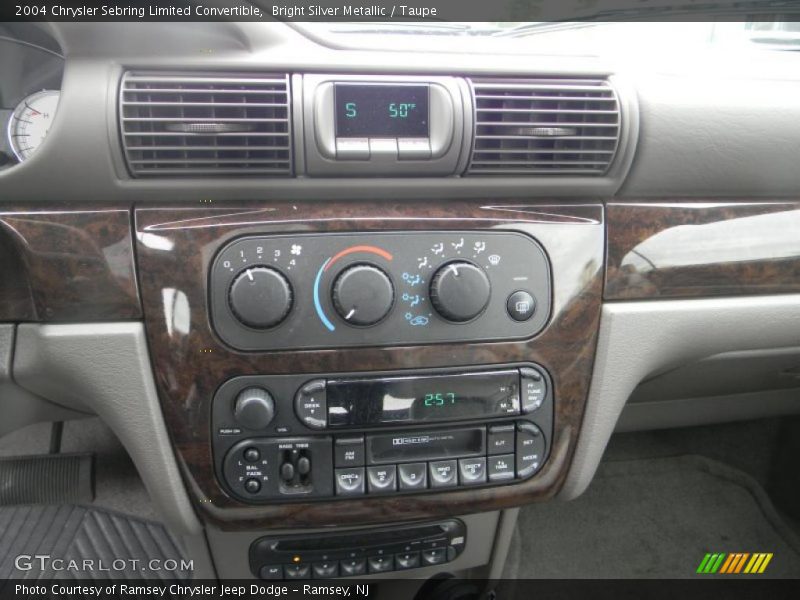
653, 518
85, 543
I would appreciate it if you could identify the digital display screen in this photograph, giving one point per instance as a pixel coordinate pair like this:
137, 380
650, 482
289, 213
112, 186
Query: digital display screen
374, 111
422, 399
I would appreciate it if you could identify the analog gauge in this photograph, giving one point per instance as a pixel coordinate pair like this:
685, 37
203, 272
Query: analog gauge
31, 121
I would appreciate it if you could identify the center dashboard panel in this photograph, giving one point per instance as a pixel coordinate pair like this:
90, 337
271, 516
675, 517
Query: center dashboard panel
276, 418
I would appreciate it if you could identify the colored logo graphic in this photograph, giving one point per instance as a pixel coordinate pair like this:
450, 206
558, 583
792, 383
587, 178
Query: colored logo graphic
734, 563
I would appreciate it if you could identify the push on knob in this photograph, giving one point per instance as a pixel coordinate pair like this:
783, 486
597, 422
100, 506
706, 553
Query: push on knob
254, 408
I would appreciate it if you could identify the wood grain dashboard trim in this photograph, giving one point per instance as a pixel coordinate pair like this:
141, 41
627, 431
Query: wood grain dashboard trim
702, 249
175, 247
67, 263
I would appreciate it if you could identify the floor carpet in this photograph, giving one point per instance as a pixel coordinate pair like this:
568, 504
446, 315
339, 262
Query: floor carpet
652, 518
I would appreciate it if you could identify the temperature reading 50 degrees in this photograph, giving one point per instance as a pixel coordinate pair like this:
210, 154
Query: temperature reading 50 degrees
401, 110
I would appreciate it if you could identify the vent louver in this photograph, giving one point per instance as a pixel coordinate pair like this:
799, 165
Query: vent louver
544, 127
206, 124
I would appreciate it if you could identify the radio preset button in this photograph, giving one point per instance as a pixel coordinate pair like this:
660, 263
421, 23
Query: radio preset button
407, 560
500, 439
413, 476
382, 479
310, 404
530, 449
434, 557
297, 571
353, 566
325, 570
380, 564
349, 452
534, 389
472, 471
350, 482
501, 467
443, 473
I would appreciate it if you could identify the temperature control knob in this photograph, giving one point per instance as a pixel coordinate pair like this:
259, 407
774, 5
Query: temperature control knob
460, 291
363, 294
260, 297
254, 408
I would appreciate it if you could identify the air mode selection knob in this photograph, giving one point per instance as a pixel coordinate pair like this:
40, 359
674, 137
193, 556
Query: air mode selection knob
363, 294
460, 291
254, 408
260, 297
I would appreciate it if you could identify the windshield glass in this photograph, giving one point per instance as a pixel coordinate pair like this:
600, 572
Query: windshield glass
567, 38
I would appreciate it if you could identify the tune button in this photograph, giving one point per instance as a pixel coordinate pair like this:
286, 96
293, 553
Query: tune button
534, 389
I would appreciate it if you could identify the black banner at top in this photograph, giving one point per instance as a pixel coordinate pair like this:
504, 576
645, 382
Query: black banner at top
391, 10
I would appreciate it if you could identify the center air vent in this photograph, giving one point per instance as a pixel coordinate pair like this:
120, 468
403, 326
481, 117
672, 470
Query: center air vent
544, 127
206, 124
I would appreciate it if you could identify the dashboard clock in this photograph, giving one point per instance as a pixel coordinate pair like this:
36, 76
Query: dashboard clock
30, 122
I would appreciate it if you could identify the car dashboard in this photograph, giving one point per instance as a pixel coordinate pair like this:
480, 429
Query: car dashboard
358, 306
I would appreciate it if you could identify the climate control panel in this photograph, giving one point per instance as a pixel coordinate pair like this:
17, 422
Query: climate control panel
332, 290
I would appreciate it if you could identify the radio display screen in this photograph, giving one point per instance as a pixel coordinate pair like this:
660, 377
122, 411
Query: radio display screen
381, 111
423, 399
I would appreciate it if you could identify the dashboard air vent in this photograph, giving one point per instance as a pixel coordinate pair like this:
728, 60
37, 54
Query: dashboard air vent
204, 124
544, 127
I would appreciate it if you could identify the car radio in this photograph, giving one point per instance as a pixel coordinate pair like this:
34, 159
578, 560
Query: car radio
300, 437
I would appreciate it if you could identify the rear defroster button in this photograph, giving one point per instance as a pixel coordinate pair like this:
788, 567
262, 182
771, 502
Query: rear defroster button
521, 306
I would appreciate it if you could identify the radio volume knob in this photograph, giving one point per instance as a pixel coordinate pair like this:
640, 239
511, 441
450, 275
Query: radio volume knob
254, 408
260, 297
460, 291
363, 295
